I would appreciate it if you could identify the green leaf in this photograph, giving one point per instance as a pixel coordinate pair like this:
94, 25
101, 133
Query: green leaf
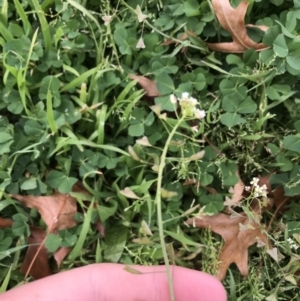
121, 38
29, 184
293, 227
106, 212
280, 46
206, 179
297, 126
165, 84
20, 228
136, 130
213, 203
115, 241
60, 181
234, 105
191, 8
293, 61
182, 238
231, 119
292, 143
33, 128
5, 243
53, 242
5, 137
52, 84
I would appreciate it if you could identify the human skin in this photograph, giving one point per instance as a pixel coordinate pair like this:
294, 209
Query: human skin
111, 282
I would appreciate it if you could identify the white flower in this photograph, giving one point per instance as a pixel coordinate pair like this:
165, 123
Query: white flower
200, 114
292, 243
259, 191
195, 128
173, 99
254, 181
247, 188
194, 101
185, 95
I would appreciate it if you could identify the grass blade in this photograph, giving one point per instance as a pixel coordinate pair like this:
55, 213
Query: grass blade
3, 14
44, 24
85, 12
84, 231
21, 12
5, 282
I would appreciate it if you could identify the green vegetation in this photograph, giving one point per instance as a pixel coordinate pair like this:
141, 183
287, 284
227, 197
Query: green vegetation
72, 113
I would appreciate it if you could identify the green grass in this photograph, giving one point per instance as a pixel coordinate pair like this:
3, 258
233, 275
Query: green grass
68, 107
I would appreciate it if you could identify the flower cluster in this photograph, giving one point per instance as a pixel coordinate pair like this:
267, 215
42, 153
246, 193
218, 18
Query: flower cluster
259, 191
188, 105
292, 244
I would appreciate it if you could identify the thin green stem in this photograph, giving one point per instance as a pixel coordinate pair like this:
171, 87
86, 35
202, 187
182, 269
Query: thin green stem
185, 43
159, 209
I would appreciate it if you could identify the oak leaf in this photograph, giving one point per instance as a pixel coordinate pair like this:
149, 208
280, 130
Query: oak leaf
57, 210
238, 233
277, 195
233, 20
237, 193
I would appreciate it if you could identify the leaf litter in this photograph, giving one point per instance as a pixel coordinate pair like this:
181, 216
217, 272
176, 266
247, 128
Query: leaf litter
233, 20
57, 211
239, 231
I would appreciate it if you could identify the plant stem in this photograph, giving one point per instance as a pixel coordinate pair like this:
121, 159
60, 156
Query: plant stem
185, 43
159, 210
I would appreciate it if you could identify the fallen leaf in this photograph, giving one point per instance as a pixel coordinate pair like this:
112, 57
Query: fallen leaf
129, 193
145, 228
233, 20
278, 196
38, 256
39, 263
147, 84
61, 254
166, 194
196, 156
236, 241
140, 44
273, 253
4, 223
133, 154
57, 210
141, 16
237, 193
143, 141
100, 228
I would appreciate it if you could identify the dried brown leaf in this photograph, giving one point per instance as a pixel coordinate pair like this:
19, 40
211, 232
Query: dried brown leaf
61, 254
40, 266
4, 223
233, 20
236, 241
238, 191
147, 84
278, 196
100, 228
56, 210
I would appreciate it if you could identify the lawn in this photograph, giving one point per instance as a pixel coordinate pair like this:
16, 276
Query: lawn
152, 132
